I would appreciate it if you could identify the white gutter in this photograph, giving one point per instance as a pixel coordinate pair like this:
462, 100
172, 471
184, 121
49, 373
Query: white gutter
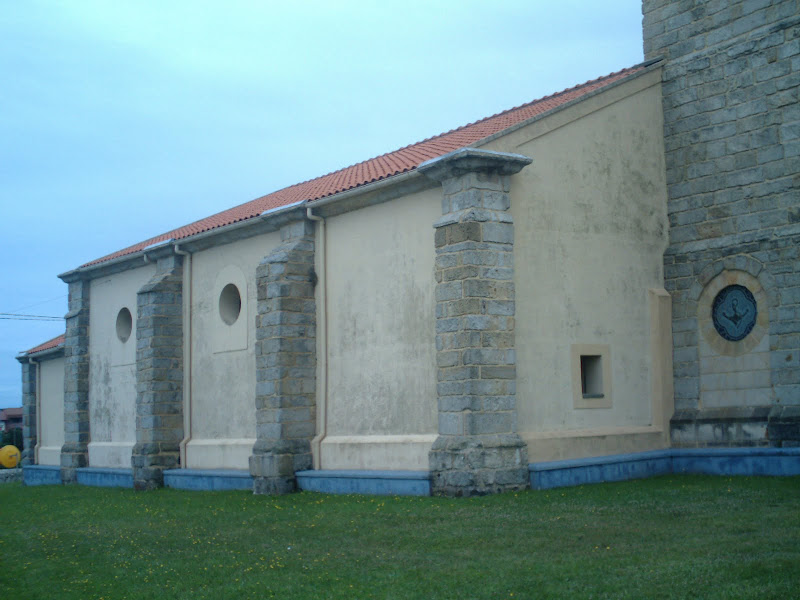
157, 245
280, 209
322, 312
362, 189
187, 353
41, 353
192, 238
365, 189
147, 259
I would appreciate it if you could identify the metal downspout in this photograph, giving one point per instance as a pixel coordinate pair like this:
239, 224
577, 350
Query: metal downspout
187, 354
322, 400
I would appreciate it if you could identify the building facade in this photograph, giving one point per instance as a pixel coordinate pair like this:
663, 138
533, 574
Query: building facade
609, 270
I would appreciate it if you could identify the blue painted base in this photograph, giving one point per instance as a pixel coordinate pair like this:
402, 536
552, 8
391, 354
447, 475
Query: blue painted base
41, 475
544, 475
381, 483
737, 461
105, 477
709, 461
208, 479
563, 473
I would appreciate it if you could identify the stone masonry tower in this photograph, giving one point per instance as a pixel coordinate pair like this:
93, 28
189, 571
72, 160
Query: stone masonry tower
732, 138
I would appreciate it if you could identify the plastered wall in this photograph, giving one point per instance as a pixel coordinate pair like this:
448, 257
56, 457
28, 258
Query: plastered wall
51, 410
381, 396
112, 368
590, 232
221, 395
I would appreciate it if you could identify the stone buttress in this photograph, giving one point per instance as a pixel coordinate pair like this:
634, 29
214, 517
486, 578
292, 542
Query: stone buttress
75, 451
285, 362
478, 450
159, 374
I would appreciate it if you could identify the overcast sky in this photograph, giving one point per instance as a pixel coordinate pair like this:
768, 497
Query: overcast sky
121, 120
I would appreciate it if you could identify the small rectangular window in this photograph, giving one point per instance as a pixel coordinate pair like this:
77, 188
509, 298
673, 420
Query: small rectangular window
591, 375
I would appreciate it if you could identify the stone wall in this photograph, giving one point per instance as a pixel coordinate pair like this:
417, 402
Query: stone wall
732, 140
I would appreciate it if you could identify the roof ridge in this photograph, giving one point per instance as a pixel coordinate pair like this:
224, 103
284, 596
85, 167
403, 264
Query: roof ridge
455, 129
377, 168
520, 106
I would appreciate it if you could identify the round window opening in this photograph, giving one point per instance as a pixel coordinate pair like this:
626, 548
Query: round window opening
124, 324
230, 304
734, 312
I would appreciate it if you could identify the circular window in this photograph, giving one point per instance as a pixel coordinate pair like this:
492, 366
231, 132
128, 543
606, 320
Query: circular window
124, 324
230, 304
734, 312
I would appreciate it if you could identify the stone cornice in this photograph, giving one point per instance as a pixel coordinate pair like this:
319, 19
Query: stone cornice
470, 160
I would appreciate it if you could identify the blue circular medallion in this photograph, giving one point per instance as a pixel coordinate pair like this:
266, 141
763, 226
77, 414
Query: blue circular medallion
734, 312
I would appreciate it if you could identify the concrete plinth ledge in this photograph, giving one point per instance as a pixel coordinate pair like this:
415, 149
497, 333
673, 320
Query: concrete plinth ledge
381, 483
105, 477
737, 461
41, 475
208, 479
705, 461
620, 467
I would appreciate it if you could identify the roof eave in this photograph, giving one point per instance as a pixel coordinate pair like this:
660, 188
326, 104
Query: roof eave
55, 350
190, 243
370, 193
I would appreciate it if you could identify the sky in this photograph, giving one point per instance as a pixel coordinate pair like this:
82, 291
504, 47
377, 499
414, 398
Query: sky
122, 120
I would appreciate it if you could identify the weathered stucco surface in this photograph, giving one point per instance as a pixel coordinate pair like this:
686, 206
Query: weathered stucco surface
112, 369
591, 229
222, 393
381, 404
51, 407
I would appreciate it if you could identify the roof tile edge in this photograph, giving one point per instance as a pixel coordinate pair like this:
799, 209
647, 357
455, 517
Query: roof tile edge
240, 213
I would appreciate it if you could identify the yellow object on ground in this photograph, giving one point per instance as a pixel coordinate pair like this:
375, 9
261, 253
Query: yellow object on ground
9, 456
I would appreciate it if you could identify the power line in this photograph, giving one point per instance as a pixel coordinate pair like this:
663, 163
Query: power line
19, 317
42, 302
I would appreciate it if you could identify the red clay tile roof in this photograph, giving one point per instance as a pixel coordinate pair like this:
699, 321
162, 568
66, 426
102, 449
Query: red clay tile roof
48, 345
378, 168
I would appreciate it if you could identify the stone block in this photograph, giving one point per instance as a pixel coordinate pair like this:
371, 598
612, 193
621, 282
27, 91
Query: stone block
498, 403
452, 423
488, 372
496, 200
494, 422
480, 258
468, 198
459, 273
489, 356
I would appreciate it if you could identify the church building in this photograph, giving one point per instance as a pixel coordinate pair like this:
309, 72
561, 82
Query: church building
600, 284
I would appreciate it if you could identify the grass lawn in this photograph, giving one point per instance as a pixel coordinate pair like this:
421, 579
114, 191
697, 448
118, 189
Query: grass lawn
667, 537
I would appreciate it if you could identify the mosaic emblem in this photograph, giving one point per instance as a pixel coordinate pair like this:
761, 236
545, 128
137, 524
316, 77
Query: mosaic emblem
734, 312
